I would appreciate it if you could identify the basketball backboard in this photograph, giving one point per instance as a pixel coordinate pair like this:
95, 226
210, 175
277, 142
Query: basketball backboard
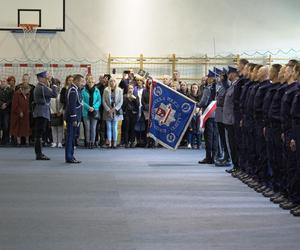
48, 15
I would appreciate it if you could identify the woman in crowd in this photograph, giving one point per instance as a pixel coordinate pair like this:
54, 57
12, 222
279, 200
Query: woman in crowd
63, 92
146, 111
140, 129
20, 123
183, 88
91, 103
11, 80
112, 104
130, 109
194, 134
57, 122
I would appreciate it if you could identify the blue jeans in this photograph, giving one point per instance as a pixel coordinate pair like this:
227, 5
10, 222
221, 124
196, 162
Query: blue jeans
90, 129
112, 130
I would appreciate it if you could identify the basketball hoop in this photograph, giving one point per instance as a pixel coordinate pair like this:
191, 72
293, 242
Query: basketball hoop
29, 30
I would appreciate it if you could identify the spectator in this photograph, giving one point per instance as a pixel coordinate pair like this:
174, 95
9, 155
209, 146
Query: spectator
56, 118
146, 111
64, 90
112, 104
194, 134
20, 123
173, 85
125, 81
6, 95
183, 88
131, 109
91, 103
11, 80
101, 126
140, 128
194, 93
166, 79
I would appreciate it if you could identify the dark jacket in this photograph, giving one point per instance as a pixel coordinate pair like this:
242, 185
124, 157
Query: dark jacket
286, 104
130, 106
6, 96
73, 110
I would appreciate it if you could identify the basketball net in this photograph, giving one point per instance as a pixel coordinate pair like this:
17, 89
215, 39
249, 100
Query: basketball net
29, 30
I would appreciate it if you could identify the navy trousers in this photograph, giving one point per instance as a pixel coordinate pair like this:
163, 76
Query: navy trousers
70, 141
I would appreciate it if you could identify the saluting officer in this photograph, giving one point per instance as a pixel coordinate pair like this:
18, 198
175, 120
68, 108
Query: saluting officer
42, 95
73, 116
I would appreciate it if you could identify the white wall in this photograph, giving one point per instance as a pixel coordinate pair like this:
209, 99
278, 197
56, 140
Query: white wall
161, 27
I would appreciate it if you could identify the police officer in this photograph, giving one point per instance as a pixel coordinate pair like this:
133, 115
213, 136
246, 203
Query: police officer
295, 147
228, 117
73, 115
221, 92
237, 113
276, 141
274, 78
210, 130
261, 162
243, 154
249, 124
287, 135
42, 95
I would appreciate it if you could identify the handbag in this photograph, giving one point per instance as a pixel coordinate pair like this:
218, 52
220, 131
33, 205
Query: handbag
95, 114
56, 121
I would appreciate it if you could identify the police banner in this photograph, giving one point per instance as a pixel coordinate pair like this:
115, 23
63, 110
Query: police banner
170, 115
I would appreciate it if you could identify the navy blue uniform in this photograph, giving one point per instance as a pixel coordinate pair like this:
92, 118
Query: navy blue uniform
276, 142
261, 162
73, 115
289, 157
268, 132
250, 126
244, 146
210, 130
238, 117
295, 181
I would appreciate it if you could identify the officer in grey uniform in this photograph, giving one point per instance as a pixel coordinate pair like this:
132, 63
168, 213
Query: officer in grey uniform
224, 157
228, 116
41, 96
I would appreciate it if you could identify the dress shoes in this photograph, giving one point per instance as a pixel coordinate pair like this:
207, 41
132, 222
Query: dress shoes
222, 163
42, 158
280, 200
287, 205
206, 161
275, 196
296, 212
295, 209
73, 161
268, 194
230, 171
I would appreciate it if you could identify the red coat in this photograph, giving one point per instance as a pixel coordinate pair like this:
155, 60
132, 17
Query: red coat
20, 126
